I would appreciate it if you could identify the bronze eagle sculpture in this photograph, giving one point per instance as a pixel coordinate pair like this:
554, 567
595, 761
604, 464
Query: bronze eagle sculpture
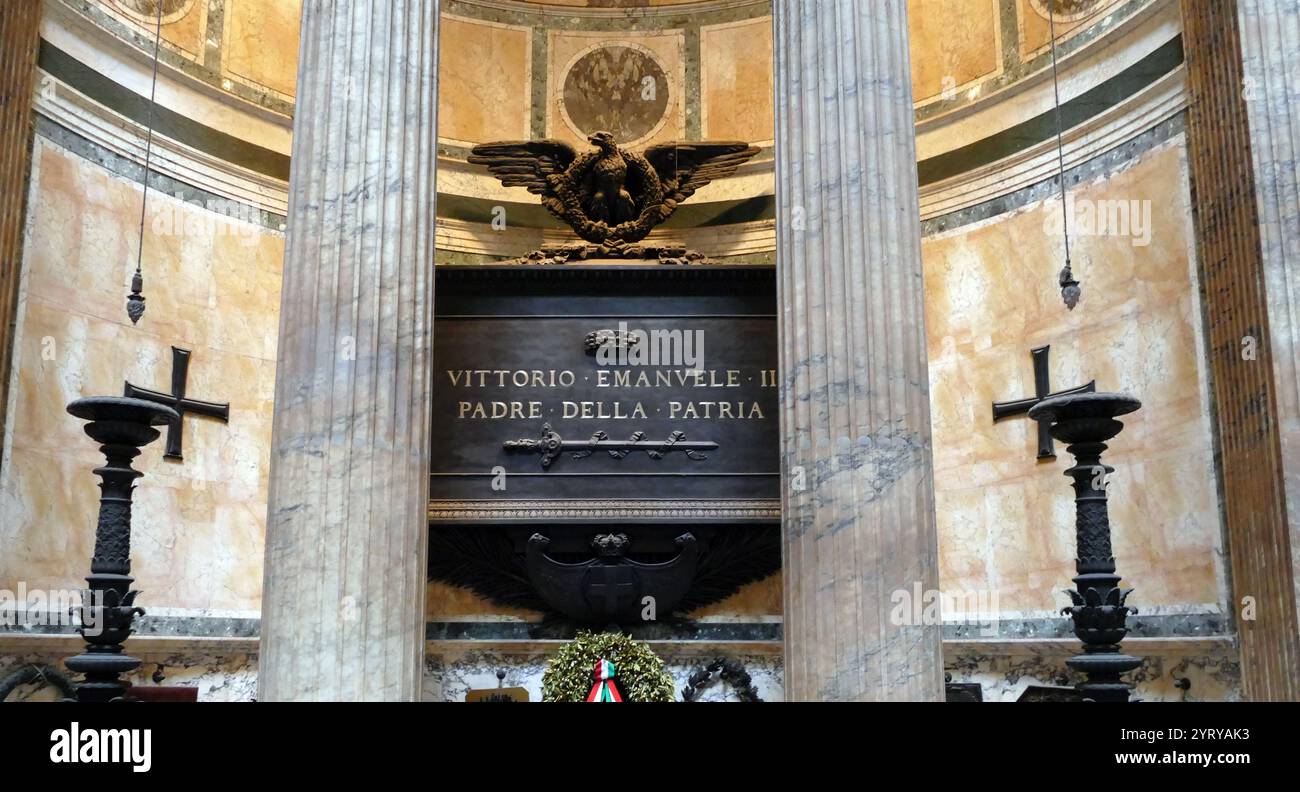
611, 196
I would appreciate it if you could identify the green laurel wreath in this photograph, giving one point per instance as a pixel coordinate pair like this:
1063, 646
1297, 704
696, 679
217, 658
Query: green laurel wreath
641, 675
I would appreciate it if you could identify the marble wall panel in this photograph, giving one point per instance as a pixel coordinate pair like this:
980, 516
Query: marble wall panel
736, 81
212, 285
1005, 518
260, 44
484, 81
953, 44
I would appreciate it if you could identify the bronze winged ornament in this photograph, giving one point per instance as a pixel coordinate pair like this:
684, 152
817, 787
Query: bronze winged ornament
611, 196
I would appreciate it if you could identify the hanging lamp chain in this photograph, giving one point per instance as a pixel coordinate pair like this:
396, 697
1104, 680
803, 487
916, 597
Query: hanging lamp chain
1070, 291
135, 300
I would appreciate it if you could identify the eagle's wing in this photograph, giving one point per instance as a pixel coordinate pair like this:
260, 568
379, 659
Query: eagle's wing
525, 163
685, 167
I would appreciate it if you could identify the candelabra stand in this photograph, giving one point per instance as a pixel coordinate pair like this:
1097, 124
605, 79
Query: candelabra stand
122, 427
1085, 421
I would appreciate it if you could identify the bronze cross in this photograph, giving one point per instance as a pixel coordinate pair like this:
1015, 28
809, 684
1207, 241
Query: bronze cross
1042, 390
613, 583
178, 401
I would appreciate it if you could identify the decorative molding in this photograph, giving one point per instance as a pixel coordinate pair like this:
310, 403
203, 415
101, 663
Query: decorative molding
53, 134
118, 136
599, 510
182, 630
1079, 170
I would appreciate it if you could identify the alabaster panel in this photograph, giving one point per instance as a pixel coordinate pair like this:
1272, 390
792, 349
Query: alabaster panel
615, 87
261, 44
736, 81
1006, 519
484, 81
212, 287
952, 44
184, 22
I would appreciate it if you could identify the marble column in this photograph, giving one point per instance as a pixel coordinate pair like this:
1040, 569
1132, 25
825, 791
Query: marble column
20, 25
1270, 39
343, 599
860, 547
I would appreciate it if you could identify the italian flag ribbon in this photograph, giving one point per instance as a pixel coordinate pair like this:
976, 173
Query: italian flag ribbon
604, 689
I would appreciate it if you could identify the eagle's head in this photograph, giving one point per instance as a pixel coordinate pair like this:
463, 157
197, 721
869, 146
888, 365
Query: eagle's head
603, 140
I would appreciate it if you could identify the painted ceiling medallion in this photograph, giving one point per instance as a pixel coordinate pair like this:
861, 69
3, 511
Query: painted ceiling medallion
146, 11
616, 87
1066, 10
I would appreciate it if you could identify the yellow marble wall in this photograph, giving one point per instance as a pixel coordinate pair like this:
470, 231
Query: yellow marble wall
953, 43
260, 44
736, 81
212, 286
484, 76
1006, 520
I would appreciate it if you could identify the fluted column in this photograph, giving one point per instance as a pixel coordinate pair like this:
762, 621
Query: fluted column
343, 604
1270, 39
20, 25
1240, 154
858, 501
